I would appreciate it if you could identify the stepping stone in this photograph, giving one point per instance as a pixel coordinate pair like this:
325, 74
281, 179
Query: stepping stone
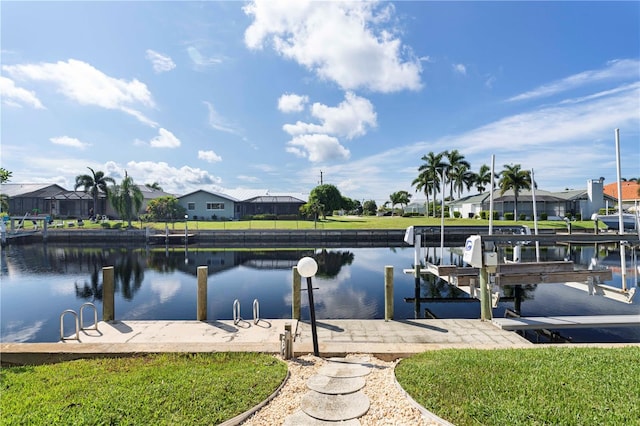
343, 369
300, 418
335, 385
335, 407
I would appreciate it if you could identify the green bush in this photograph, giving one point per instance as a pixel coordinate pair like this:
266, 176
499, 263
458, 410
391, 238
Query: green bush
522, 216
457, 215
117, 225
266, 216
508, 216
544, 216
105, 225
578, 216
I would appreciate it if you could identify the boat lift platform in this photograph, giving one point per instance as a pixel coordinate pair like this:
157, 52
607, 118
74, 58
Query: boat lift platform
571, 321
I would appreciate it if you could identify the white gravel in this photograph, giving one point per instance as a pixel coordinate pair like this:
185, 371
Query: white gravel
389, 404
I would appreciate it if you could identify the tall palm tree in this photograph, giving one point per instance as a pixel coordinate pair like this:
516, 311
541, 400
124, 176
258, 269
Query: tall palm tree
483, 178
512, 177
94, 183
432, 167
126, 198
400, 197
424, 182
456, 160
462, 178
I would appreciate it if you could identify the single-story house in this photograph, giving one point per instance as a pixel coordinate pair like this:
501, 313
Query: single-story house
236, 204
553, 204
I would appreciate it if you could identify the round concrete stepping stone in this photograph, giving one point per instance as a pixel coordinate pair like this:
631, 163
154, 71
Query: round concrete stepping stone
335, 407
300, 418
335, 385
338, 369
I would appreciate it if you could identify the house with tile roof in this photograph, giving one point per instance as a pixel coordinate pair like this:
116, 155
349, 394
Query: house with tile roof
630, 194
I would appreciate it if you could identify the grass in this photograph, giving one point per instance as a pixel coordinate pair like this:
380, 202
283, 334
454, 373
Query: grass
345, 222
158, 389
541, 386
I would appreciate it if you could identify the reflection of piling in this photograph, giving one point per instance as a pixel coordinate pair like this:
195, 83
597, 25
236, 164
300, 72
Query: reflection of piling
296, 284
108, 300
202, 293
388, 293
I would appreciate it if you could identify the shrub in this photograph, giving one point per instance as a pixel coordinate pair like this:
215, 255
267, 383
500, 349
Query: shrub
508, 216
522, 216
578, 216
544, 216
105, 225
457, 215
117, 225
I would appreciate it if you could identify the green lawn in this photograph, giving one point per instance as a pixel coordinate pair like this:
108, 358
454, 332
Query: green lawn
541, 386
347, 222
164, 389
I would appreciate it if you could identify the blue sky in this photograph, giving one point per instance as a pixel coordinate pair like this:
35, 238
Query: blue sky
267, 95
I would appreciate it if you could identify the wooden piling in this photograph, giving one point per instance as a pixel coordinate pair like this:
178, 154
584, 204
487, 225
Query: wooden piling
388, 293
108, 298
203, 272
296, 283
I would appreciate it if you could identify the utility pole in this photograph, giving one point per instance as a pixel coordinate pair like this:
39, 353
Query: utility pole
320, 177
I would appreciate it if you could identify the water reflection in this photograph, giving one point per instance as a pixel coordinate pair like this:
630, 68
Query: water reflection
40, 281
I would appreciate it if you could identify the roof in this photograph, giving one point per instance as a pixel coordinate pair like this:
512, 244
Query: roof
30, 189
275, 199
629, 190
216, 194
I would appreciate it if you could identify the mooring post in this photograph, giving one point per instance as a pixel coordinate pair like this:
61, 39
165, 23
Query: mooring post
203, 272
296, 283
485, 295
108, 299
388, 293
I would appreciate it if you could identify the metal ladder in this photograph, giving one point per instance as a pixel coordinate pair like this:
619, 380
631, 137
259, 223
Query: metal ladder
79, 321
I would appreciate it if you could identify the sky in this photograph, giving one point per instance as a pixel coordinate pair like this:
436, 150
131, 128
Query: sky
284, 95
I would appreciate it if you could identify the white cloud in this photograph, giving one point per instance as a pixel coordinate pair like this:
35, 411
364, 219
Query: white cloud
350, 119
217, 122
460, 69
318, 148
209, 156
344, 42
81, 82
615, 70
318, 142
199, 60
250, 179
16, 96
292, 102
175, 180
160, 62
165, 139
68, 141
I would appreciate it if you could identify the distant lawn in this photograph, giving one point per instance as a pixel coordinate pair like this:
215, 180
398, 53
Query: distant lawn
164, 389
348, 222
541, 386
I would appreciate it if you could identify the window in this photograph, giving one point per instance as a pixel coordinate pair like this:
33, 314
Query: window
215, 206
191, 206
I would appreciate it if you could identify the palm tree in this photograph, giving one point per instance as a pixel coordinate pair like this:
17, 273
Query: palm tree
94, 183
432, 167
126, 198
424, 182
155, 185
483, 178
462, 177
512, 177
456, 160
400, 197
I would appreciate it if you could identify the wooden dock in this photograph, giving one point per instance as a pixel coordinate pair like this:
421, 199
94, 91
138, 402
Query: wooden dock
572, 321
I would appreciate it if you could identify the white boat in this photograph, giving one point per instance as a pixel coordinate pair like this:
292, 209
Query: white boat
629, 220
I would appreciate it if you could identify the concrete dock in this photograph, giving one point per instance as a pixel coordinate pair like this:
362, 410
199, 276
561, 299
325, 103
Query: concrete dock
386, 340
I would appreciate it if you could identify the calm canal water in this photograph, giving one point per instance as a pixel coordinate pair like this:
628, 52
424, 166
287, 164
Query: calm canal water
38, 282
